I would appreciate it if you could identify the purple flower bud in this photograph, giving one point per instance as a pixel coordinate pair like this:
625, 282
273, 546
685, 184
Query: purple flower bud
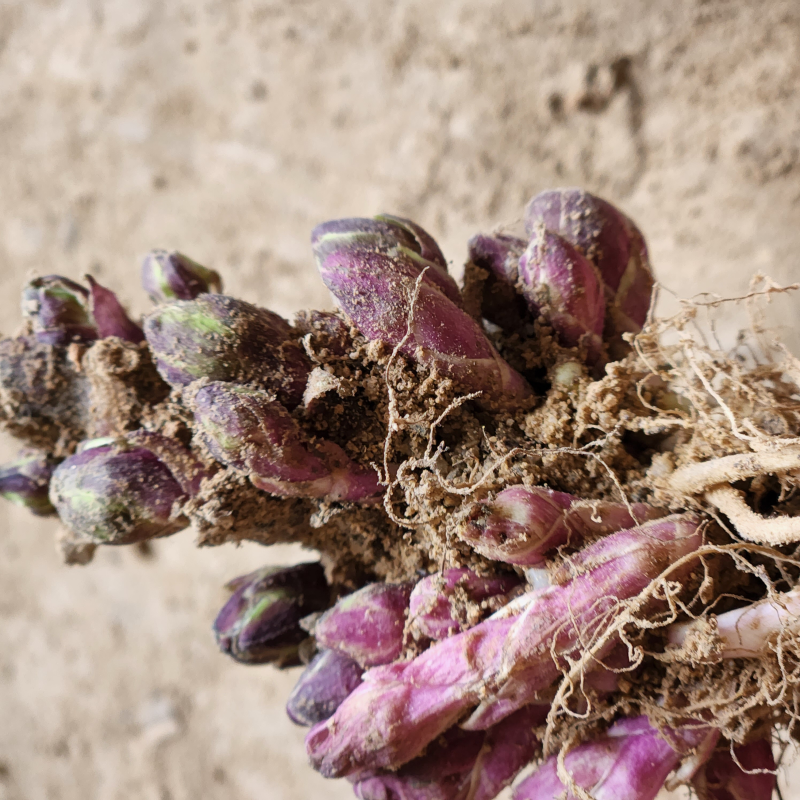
109, 316
499, 256
260, 623
611, 241
501, 664
224, 339
59, 310
563, 287
375, 290
722, 778
368, 624
325, 683
631, 762
522, 526
169, 275
119, 491
448, 603
394, 236
26, 481
248, 430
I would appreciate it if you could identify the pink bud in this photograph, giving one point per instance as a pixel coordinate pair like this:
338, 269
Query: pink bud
631, 762
564, 288
367, 625
448, 603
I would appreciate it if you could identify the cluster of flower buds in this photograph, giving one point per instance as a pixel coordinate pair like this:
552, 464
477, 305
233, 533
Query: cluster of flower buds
500, 665
584, 269
437, 687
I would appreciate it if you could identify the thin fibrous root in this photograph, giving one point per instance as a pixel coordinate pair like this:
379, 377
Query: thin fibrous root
697, 478
749, 525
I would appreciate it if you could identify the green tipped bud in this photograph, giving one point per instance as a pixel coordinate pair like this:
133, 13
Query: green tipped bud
59, 310
260, 623
224, 339
173, 276
120, 491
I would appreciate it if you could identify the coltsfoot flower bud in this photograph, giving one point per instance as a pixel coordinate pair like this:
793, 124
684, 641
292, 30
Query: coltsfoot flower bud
367, 625
375, 290
58, 310
450, 602
119, 491
224, 339
62, 311
251, 432
499, 256
394, 236
630, 762
522, 526
752, 778
169, 275
501, 663
563, 286
461, 765
611, 241
325, 683
260, 623
110, 318
26, 481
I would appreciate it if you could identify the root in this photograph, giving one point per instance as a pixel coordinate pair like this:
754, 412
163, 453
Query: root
774, 532
697, 478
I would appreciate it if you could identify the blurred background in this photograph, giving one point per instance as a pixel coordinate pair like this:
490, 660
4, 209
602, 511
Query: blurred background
227, 129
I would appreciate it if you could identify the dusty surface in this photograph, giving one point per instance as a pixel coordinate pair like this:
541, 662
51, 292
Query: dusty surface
228, 130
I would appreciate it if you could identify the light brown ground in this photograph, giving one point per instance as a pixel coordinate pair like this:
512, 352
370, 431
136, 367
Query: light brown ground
227, 130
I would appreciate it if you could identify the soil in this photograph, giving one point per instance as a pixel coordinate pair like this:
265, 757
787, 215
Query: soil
228, 132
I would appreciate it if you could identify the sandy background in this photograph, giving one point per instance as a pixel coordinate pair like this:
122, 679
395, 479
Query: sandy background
227, 129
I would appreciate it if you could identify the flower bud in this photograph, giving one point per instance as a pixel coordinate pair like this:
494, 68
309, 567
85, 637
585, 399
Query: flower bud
109, 316
169, 275
368, 624
752, 776
375, 290
62, 311
125, 490
325, 683
560, 284
394, 236
59, 311
26, 481
630, 762
224, 339
249, 431
450, 602
499, 256
522, 526
260, 623
611, 241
